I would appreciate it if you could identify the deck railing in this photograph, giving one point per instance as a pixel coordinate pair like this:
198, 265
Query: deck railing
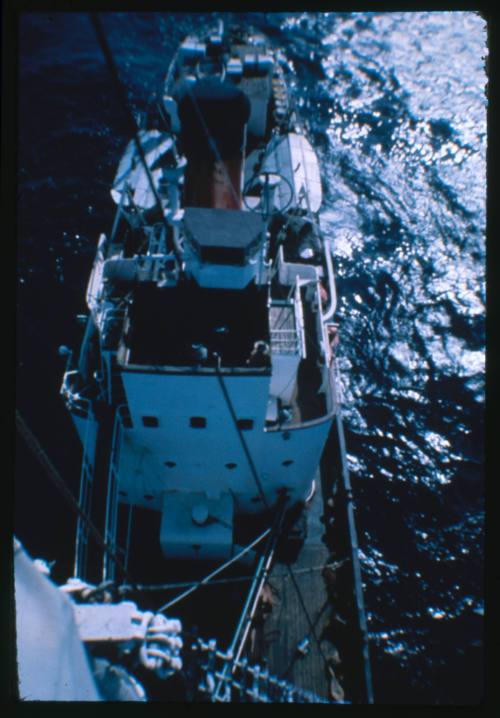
75, 402
111, 520
244, 683
285, 341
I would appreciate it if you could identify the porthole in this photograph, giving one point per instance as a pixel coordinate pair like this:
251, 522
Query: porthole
151, 422
170, 464
245, 424
287, 462
197, 422
231, 465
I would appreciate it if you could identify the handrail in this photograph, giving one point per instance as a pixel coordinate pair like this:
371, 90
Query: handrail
170, 71
74, 400
250, 681
288, 341
299, 314
311, 423
303, 424
85, 501
111, 313
333, 292
111, 518
356, 566
92, 293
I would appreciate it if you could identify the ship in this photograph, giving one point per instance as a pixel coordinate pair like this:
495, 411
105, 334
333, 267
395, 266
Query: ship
207, 398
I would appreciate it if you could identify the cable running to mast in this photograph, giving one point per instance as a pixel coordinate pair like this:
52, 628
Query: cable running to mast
108, 56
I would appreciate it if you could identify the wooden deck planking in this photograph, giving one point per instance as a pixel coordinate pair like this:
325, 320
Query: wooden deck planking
287, 625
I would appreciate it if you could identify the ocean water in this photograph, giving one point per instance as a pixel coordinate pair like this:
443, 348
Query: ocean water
395, 104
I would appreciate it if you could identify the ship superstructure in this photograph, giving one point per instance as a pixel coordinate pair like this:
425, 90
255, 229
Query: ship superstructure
207, 356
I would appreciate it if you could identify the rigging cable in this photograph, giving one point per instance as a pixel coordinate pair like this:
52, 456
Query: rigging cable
123, 589
251, 603
353, 540
259, 486
240, 435
54, 475
218, 570
101, 37
306, 614
266, 566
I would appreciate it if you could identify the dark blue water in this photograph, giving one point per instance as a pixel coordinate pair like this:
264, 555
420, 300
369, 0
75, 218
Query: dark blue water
396, 107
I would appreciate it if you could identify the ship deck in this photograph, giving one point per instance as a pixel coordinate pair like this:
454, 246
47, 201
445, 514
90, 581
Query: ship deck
287, 625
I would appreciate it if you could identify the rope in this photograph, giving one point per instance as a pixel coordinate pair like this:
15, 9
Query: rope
94, 18
218, 570
241, 437
53, 474
222, 581
252, 600
261, 492
306, 613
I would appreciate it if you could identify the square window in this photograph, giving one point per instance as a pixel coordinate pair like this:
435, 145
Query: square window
197, 422
245, 424
151, 422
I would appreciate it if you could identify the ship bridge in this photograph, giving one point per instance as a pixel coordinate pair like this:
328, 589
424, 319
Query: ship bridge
224, 247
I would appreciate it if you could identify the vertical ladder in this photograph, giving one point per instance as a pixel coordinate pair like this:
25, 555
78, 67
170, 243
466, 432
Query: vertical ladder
111, 520
85, 499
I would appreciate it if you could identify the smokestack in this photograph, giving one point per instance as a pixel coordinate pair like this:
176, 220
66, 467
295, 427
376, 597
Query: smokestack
213, 113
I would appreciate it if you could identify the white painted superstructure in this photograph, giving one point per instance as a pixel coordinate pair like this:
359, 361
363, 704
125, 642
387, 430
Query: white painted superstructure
207, 342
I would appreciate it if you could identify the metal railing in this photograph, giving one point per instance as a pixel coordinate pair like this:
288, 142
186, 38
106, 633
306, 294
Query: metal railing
74, 401
94, 287
239, 682
85, 499
289, 340
111, 520
285, 341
